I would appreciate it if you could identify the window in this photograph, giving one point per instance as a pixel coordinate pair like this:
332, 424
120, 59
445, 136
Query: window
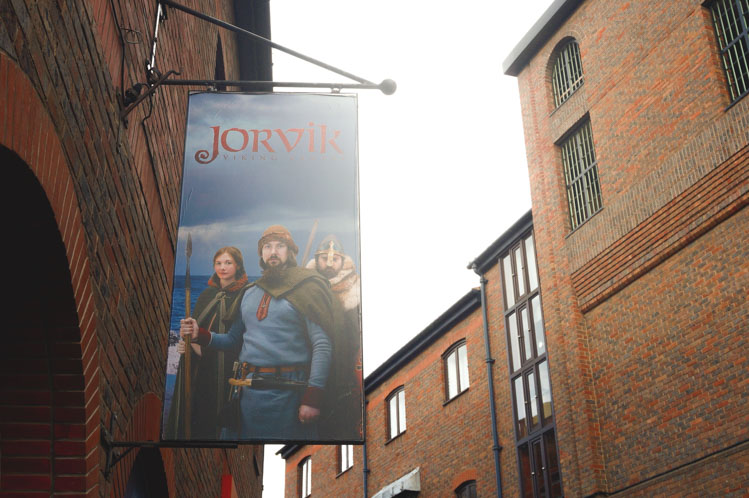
581, 175
567, 74
529, 373
456, 370
345, 457
466, 490
539, 468
731, 21
397, 412
305, 477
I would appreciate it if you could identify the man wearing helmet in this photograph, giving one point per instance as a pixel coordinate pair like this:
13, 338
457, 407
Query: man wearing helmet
343, 399
286, 319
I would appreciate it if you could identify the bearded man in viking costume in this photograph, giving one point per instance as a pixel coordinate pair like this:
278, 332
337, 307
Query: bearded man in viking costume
343, 399
283, 335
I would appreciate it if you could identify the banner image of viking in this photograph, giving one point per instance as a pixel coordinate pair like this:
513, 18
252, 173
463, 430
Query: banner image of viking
344, 396
283, 337
199, 400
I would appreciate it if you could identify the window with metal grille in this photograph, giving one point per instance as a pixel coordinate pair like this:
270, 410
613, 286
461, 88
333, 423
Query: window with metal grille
567, 74
731, 21
396, 404
345, 457
456, 369
581, 175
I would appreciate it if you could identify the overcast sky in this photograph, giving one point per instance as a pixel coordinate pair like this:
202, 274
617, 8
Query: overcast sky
441, 162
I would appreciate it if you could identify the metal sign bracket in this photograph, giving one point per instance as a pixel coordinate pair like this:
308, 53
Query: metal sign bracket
154, 78
114, 453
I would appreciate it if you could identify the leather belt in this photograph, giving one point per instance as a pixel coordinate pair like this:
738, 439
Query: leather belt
248, 369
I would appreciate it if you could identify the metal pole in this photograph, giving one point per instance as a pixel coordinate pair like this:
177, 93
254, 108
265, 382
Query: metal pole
260, 39
387, 86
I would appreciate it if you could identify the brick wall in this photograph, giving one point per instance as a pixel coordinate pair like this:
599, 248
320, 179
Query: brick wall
673, 168
444, 440
114, 193
670, 359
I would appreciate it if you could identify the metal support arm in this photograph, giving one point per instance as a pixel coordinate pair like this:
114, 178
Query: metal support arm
114, 456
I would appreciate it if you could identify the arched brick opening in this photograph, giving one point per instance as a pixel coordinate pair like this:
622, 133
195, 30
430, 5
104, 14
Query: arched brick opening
49, 383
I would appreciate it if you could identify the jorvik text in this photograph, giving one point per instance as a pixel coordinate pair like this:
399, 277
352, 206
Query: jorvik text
315, 138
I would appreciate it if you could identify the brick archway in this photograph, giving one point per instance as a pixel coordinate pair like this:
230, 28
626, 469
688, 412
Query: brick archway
49, 377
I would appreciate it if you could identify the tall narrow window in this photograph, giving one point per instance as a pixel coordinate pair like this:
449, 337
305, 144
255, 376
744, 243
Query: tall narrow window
345, 457
305, 477
396, 403
581, 175
529, 373
731, 21
567, 74
456, 370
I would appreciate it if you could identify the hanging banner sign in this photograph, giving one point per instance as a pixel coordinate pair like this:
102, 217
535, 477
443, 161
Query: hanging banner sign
265, 329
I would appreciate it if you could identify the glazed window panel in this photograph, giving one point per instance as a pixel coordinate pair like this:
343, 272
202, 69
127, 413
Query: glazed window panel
402, 411
545, 385
538, 325
393, 416
567, 74
509, 287
346, 457
581, 176
452, 375
530, 256
514, 341
520, 273
520, 415
731, 23
305, 478
525, 327
463, 367
539, 468
526, 484
532, 401
397, 413
456, 370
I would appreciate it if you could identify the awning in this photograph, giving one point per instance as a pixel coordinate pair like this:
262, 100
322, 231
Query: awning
409, 484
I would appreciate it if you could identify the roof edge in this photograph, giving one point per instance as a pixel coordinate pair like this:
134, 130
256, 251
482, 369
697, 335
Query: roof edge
491, 254
465, 305
540, 32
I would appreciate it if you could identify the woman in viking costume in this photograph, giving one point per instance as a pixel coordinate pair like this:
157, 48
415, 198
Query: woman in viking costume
214, 311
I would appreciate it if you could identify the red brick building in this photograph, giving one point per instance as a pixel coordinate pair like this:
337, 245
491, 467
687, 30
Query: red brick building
631, 378
90, 201
636, 123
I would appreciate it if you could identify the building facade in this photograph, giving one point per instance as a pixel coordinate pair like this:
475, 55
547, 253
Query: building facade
431, 407
636, 123
91, 200
617, 317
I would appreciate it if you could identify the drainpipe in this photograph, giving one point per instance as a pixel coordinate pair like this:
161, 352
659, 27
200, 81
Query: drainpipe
489, 362
365, 469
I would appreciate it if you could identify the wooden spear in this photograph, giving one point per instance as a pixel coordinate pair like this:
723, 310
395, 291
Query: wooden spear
307, 249
188, 341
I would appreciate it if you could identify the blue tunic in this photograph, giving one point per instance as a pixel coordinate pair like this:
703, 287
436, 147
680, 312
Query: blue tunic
283, 338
